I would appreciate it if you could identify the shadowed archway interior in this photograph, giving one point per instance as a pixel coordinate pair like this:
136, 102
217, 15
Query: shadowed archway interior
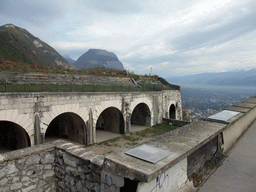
172, 112
141, 115
13, 136
67, 126
111, 119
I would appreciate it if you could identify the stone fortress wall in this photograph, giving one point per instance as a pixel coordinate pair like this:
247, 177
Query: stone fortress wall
78, 115
67, 166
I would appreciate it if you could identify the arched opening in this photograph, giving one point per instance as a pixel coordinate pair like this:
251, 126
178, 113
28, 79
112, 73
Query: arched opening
172, 112
109, 124
12, 137
140, 117
68, 126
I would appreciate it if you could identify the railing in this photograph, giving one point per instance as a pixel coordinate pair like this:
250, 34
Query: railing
72, 87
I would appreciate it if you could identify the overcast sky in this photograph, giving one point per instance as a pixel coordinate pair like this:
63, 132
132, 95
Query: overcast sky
174, 37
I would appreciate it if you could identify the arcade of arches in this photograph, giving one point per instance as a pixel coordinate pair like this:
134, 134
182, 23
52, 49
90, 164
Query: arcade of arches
72, 127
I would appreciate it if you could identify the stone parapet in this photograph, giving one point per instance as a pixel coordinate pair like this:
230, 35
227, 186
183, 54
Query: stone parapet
55, 166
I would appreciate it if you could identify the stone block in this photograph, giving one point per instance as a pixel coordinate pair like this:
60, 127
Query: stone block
15, 179
1, 158
33, 159
27, 189
3, 181
68, 160
48, 166
4, 101
49, 158
71, 171
16, 186
49, 173
9, 169
24, 179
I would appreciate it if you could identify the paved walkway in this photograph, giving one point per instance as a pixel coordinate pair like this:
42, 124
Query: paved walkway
238, 172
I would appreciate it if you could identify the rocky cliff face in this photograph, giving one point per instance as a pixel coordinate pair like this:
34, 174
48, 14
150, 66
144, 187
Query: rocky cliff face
20, 45
98, 58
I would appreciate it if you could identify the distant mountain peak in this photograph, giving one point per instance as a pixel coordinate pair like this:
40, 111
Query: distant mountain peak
98, 58
102, 52
9, 26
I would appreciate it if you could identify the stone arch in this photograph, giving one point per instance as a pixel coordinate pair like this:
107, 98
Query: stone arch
141, 115
21, 119
13, 136
57, 110
112, 120
67, 125
147, 102
172, 112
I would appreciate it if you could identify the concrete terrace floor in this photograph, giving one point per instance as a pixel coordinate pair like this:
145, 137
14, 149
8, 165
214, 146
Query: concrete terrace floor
238, 172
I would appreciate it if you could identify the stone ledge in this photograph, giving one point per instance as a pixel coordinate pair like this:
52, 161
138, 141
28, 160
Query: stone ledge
69, 147
181, 142
20, 153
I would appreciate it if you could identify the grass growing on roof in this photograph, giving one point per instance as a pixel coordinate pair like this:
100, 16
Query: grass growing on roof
133, 138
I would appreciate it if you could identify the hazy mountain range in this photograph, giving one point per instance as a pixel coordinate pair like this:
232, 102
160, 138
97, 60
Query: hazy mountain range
17, 44
233, 78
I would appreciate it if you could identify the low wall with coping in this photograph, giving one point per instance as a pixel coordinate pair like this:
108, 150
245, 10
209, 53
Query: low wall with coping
190, 146
55, 166
67, 166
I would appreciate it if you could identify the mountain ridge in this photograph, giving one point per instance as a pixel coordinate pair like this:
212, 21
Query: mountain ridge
20, 45
231, 78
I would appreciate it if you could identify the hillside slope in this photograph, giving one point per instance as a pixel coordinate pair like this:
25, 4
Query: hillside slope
18, 44
98, 58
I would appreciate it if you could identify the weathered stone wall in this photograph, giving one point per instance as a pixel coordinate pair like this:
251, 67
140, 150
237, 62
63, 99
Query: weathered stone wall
65, 166
35, 111
56, 166
77, 169
32, 170
191, 146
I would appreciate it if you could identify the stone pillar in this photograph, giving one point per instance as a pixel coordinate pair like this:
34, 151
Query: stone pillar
127, 116
37, 130
90, 131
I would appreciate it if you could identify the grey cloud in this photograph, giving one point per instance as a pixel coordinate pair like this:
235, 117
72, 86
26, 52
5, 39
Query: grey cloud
157, 60
222, 34
36, 12
115, 6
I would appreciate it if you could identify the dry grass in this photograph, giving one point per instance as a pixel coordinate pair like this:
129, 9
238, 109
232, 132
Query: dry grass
130, 139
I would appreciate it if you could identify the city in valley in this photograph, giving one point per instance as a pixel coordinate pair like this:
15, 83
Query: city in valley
203, 102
